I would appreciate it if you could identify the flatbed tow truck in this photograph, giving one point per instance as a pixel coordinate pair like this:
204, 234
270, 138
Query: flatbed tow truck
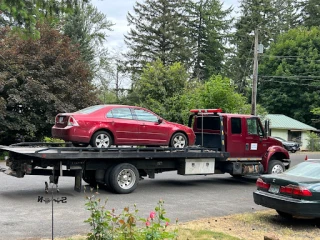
119, 169
226, 143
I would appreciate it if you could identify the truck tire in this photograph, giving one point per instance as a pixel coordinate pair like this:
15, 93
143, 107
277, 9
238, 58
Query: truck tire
107, 177
179, 140
275, 166
124, 178
101, 139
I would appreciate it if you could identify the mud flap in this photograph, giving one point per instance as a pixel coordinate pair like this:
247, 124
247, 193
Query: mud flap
78, 180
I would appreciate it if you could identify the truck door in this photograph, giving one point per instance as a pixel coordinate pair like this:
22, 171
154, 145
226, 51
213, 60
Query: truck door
235, 144
255, 145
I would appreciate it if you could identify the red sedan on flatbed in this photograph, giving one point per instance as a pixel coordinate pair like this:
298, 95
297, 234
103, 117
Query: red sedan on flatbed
105, 125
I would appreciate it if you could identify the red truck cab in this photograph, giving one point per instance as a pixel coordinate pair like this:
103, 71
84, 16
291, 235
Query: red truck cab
243, 136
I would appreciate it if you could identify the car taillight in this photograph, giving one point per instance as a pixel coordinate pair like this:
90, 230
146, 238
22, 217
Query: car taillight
72, 122
295, 190
261, 184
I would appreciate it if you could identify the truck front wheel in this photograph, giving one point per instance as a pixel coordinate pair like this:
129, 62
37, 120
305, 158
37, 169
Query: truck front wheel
276, 166
124, 178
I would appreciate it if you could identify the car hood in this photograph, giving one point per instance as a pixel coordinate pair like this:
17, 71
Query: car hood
178, 125
290, 143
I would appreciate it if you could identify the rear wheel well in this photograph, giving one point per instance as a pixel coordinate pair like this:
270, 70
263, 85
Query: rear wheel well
103, 129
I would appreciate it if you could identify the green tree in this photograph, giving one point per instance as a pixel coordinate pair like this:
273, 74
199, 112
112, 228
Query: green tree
289, 77
270, 17
88, 28
158, 32
38, 79
310, 13
159, 89
24, 14
209, 25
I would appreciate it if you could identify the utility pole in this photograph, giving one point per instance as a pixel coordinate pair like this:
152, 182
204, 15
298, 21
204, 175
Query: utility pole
255, 74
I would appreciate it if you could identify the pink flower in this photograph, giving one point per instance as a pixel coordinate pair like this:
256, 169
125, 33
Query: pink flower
167, 224
147, 223
152, 215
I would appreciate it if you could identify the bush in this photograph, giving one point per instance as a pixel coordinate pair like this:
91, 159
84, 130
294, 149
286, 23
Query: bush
107, 225
313, 142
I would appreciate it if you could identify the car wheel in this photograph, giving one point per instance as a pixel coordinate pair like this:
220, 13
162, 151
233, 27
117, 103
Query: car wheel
276, 166
179, 140
293, 151
124, 178
101, 139
284, 215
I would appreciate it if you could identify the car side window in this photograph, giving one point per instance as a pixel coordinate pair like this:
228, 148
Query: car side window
252, 126
124, 113
144, 115
236, 126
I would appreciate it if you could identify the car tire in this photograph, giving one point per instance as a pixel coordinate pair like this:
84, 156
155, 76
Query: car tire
124, 178
179, 140
275, 166
101, 139
284, 215
293, 151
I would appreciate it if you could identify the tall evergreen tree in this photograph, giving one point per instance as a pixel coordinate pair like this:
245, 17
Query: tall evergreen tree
26, 13
270, 17
310, 13
88, 28
209, 25
158, 32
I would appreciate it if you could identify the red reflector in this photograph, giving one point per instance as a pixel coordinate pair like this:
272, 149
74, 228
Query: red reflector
296, 190
217, 110
261, 184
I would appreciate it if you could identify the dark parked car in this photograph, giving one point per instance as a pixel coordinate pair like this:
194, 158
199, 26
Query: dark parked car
295, 192
105, 125
289, 145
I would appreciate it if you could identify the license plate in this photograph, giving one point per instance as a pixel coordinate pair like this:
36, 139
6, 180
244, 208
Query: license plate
274, 189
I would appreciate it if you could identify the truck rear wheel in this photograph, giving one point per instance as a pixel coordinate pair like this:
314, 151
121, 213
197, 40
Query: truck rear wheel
124, 178
276, 166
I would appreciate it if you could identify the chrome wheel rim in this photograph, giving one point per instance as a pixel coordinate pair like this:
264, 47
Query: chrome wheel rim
179, 141
126, 178
103, 141
277, 169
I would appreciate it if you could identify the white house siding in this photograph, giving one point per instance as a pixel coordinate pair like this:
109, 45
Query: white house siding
283, 133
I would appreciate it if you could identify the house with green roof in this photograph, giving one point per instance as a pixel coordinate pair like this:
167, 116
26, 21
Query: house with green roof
289, 129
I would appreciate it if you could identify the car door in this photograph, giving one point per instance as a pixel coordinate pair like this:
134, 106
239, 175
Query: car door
151, 131
125, 129
255, 140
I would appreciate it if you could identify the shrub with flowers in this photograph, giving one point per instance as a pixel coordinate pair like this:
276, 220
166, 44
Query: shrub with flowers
107, 225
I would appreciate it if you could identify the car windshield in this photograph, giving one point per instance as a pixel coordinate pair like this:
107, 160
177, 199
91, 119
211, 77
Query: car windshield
280, 139
90, 109
309, 169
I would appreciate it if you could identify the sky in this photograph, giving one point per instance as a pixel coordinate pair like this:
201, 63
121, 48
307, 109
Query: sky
116, 11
